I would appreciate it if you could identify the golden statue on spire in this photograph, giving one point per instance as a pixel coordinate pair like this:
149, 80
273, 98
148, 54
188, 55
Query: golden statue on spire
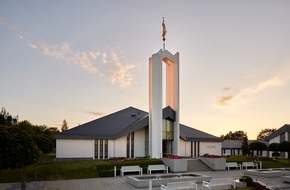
164, 31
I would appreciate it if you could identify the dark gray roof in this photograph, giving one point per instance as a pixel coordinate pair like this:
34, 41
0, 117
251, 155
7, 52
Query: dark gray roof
111, 126
125, 121
237, 143
191, 134
285, 128
232, 144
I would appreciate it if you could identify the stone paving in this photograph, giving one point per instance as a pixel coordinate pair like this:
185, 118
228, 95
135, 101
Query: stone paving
119, 183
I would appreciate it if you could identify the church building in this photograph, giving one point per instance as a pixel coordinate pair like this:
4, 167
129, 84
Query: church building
132, 132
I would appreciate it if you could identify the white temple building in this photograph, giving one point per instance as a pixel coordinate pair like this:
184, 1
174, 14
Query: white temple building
132, 132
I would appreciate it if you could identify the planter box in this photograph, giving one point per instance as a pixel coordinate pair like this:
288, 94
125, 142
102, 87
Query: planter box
176, 165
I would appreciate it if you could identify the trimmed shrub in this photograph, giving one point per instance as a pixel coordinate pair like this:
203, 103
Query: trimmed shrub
275, 154
248, 180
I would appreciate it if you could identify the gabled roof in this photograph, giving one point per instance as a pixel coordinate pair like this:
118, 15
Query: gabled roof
285, 128
237, 144
125, 121
232, 144
191, 134
111, 126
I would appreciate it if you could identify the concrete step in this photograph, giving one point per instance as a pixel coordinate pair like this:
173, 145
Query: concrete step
196, 165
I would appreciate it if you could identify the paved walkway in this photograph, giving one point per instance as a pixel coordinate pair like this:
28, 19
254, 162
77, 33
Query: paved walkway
119, 183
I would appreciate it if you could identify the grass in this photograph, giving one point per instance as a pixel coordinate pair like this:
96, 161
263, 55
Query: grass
48, 169
266, 161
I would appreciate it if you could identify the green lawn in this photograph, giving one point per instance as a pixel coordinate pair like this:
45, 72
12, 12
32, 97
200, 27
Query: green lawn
266, 162
54, 170
49, 169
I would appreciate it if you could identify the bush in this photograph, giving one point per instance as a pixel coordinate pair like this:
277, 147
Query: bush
258, 186
275, 154
211, 156
247, 179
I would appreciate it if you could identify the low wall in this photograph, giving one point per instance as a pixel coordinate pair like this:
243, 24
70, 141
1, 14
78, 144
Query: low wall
176, 165
181, 165
214, 163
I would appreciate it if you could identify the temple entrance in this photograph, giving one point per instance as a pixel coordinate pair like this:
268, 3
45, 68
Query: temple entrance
166, 147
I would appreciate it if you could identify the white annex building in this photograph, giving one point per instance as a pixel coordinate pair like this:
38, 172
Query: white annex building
132, 132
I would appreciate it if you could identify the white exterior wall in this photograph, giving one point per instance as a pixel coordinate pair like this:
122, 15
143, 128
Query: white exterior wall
275, 140
139, 143
189, 148
117, 148
74, 148
210, 148
182, 147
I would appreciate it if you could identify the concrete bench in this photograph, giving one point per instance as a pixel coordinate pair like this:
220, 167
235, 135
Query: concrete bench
249, 164
131, 169
157, 168
180, 185
225, 182
233, 165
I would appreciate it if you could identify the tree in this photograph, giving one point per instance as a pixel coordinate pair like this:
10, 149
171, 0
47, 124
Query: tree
17, 150
238, 135
64, 126
6, 118
258, 146
245, 146
264, 133
284, 147
274, 147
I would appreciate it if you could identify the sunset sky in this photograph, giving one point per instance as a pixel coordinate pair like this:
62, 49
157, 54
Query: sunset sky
81, 60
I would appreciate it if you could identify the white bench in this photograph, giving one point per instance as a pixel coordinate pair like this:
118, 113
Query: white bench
157, 168
249, 164
131, 169
233, 165
180, 185
219, 182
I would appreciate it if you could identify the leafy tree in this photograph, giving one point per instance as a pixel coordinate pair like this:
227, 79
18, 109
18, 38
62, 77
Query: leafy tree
245, 146
6, 118
238, 135
284, 147
44, 143
64, 126
274, 147
22, 143
264, 133
258, 146
17, 150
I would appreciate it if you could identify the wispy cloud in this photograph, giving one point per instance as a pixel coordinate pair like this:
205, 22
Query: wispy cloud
234, 97
98, 114
108, 63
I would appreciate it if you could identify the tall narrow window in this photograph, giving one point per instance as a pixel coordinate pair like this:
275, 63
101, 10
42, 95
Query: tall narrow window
128, 146
132, 145
167, 130
147, 141
101, 149
96, 148
106, 148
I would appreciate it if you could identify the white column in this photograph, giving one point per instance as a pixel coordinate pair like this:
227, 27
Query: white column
155, 107
155, 99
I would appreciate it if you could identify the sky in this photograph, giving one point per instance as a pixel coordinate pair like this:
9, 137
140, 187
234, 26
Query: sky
81, 60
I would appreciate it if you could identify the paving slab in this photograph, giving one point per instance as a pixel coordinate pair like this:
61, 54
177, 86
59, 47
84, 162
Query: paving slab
119, 183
